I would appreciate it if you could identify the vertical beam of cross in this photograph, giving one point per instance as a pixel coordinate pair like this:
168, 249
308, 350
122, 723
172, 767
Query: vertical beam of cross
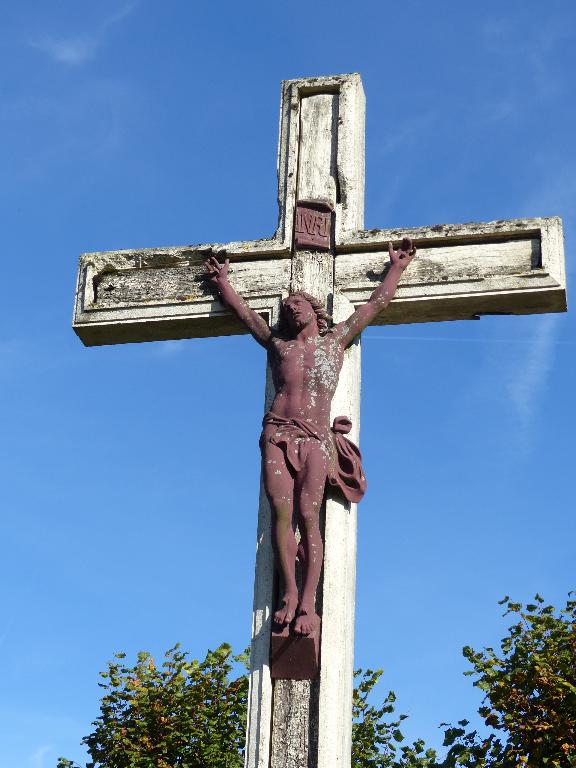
300, 723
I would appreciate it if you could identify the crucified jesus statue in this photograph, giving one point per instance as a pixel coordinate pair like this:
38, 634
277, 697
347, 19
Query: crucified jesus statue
301, 451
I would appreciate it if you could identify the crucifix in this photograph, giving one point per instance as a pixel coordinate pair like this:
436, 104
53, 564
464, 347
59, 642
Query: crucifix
319, 250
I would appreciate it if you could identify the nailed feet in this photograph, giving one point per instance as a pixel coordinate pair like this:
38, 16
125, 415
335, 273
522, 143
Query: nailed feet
307, 621
287, 610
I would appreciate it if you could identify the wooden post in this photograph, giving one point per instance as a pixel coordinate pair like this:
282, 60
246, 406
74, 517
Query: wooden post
309, 723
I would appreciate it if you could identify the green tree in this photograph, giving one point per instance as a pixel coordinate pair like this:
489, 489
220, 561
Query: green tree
183, 714
530, 693
191, 714
376, 738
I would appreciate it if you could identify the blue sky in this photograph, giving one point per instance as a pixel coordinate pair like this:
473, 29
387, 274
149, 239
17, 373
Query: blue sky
128, 124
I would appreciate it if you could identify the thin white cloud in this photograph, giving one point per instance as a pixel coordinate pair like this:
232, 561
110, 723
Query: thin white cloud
63, 135
534, 44
511, 377
38, 757
78, 49
513, 381
170, 348
72, 51
500, 110
459, 340
406, 133
529, 377
119, 15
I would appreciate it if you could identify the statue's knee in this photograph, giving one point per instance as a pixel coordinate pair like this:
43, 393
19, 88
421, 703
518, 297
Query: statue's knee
310, 516
281, 509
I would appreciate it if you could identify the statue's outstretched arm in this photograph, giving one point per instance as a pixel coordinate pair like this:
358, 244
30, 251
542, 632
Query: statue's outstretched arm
218, 274
382, 296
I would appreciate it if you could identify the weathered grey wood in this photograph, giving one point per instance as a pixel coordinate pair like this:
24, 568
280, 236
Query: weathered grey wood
374, 239
462, 271
317, 173
186, 284
443, 266
260, 703
178, 300
292, 709
169, 298
295, 710
328, 170
339, 583
313, 272
465, 274
295, 734
350, 150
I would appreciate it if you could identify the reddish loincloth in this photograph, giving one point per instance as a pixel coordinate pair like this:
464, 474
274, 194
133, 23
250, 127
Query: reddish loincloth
296, 436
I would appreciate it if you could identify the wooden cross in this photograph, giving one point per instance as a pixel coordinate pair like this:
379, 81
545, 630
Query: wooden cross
461, 272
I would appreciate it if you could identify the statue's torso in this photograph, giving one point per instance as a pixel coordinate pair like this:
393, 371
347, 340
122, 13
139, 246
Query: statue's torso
305, 376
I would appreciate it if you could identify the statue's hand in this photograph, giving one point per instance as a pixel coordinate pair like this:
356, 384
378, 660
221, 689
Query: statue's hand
404, 255
217, 272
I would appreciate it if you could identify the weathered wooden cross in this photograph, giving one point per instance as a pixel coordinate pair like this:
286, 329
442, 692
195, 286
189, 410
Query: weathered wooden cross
461, 272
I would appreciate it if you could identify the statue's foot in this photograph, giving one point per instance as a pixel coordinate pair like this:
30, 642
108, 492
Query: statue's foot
307, 621
285, 613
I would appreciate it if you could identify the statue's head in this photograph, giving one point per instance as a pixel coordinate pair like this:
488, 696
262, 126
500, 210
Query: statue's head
299, 310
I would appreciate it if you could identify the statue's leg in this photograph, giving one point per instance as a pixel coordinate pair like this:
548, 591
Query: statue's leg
279, 486
310, 485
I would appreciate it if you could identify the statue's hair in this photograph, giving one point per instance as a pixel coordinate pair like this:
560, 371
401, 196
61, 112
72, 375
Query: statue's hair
323, 318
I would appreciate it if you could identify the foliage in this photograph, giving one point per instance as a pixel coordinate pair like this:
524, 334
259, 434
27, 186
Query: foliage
375, 740
530, 694
529, 704
184, 714
190, 714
